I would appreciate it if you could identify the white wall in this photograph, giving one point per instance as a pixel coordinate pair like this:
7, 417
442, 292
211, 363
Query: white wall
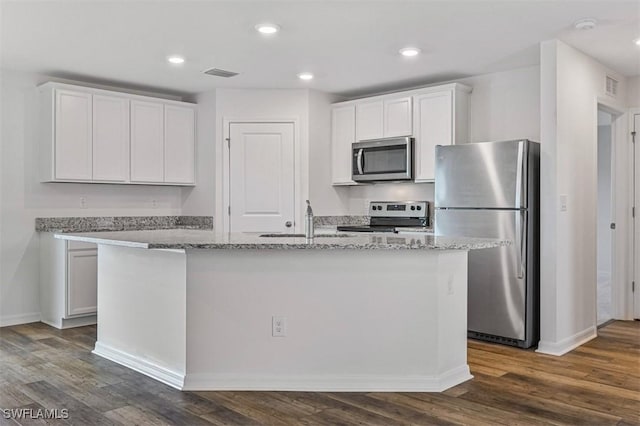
327, 200
200, 200
23, 198
572, 84
633, 92
505, 105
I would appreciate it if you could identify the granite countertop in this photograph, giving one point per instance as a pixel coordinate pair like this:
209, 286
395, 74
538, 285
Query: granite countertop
199, 239
121, 223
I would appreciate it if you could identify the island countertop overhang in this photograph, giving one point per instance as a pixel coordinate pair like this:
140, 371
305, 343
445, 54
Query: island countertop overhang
186, 239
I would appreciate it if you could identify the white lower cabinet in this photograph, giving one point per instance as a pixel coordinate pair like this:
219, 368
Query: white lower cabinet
82, 282
68, 282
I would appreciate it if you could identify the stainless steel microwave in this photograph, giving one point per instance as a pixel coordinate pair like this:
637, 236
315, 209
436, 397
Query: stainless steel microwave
382, 160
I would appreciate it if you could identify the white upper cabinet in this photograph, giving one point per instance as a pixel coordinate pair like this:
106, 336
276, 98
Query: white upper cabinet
73, 150
440, 119
369, 120
383, 117
147, 142
343, 134
179, 134
397, 117
110, 138
436, 115
93, 135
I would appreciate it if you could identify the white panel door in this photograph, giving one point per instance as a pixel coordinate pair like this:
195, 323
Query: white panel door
434, 126
369, 120
343, 134
110, 138
73, 156
397, 117
179, 144
636, 219
82, 282
261, 187
147, 142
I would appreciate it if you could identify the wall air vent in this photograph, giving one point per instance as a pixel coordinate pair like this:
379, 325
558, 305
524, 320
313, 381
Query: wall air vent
611, 86
220, 73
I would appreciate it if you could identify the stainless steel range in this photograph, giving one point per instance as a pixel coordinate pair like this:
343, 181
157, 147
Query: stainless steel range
392, 216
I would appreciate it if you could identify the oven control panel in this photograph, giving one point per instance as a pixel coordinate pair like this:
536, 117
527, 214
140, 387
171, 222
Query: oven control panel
419, 209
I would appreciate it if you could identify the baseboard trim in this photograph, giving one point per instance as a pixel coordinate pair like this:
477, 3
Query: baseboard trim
567, 345
9, 320
162, 374
327, 383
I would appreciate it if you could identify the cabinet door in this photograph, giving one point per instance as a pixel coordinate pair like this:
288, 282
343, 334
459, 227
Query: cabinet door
147, 142
397, 117
73, 156
434, 126
82, 282
110, 138
343, 134
179, 144
369, 120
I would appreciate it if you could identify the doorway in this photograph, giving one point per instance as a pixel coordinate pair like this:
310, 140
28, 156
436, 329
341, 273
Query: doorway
605, 218
261, 177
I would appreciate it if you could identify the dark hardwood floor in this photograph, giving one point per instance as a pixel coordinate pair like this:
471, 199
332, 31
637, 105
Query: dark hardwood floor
597, 384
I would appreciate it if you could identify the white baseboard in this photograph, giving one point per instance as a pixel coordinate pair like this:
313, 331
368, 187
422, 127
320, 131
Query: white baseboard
62, 323
327, 383
162, 374
8, 320
567, 345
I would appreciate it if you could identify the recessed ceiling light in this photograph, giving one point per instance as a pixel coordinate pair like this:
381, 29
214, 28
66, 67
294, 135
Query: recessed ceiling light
175, 59
267, 28
305, 76
637, 41
585, 24
409, 51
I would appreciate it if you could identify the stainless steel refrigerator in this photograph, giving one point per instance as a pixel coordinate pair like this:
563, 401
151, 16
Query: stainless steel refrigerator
492, 190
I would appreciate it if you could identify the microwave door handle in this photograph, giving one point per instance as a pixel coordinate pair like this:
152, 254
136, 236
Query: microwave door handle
360, 162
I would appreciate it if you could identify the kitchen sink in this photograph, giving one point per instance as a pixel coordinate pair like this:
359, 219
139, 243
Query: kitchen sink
302, 235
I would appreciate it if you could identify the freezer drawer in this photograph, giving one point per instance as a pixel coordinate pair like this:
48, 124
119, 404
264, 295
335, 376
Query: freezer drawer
482, 175
497, 277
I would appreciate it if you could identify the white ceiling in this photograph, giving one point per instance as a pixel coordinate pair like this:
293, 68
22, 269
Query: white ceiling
350, 46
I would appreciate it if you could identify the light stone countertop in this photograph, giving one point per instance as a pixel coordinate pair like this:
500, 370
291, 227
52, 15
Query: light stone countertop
198, 239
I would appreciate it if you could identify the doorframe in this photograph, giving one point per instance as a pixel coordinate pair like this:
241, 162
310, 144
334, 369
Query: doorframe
621, 201
223, 178
634, 168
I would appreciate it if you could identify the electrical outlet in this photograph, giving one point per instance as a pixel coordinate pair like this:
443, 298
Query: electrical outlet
278, 326
83, 202
154, 203
563, 202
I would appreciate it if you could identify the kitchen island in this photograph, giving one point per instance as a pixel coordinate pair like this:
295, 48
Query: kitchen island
204, 311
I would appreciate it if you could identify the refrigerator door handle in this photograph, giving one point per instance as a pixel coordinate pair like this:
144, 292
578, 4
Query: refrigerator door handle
519, 175
520, 244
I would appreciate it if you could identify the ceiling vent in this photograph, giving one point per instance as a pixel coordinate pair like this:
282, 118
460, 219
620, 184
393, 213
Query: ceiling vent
217, 72
611, 86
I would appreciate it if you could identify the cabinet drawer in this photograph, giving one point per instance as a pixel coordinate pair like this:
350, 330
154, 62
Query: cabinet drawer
80, 245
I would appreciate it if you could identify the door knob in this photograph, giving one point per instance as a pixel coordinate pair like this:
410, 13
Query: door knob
288, 224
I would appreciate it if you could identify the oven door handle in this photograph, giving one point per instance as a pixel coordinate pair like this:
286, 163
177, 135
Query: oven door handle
360, 161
